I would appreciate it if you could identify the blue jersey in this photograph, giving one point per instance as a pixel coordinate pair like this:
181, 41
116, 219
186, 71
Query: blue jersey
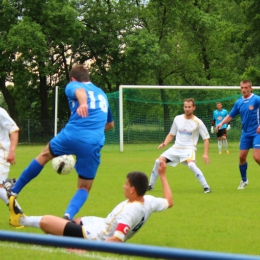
88, 129
218, 116
248, 108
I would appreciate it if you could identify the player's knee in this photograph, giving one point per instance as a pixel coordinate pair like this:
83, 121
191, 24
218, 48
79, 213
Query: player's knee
161, 158
257, 158
44, 223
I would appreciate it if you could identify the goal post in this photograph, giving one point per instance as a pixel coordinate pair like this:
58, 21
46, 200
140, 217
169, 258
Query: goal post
164, 102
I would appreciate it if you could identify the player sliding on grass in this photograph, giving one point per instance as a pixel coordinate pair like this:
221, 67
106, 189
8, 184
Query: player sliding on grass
82, 136
248, 107
186, 129
120, 225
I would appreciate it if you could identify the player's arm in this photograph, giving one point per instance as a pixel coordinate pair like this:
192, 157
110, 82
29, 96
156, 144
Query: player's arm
82, 98
167, 193
113, 239
226, 120
205, 155
110, 121
13, 144
120, 232
167, 140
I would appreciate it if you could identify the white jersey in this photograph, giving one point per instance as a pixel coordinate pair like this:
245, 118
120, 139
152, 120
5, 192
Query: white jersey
187, 131
7, 126
124, 220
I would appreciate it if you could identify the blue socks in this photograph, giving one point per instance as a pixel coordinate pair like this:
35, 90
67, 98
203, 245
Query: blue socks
76, 202
27, 175
243, 173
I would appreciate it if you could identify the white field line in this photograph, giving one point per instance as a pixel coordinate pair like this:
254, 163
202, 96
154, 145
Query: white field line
51, 250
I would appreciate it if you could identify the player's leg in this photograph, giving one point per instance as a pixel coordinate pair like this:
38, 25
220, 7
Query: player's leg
4, 170
256, 149
245, 144
219, 136
224, 140
53, 225
79, 198
199, 175
154, 174
32, 171
87, 163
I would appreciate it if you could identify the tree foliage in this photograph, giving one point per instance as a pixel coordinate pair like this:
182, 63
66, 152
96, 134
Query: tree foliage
155, 42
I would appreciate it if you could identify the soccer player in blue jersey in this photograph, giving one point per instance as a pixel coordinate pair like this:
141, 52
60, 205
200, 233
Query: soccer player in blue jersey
218, 115
83, 136
248, 107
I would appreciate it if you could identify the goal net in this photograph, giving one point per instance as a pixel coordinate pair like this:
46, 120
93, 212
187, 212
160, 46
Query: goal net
144, 114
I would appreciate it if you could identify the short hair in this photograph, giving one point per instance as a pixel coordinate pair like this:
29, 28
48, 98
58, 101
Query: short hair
246, 81
79, 73
139, 180
219, 103
189, 100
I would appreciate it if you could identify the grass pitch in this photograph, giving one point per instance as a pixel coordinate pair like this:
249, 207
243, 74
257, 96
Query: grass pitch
226, 220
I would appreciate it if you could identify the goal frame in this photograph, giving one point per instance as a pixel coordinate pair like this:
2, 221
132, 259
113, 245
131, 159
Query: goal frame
121, 93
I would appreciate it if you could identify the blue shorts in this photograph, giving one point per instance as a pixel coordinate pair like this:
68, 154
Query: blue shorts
247, 142
87, 155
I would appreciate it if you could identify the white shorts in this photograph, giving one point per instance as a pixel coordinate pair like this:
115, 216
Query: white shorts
176, 155
93, 226
4, 171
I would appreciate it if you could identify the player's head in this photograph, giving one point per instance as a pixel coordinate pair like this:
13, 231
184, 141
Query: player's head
219, 106
79, 73
246, 88
189, 106
139, 181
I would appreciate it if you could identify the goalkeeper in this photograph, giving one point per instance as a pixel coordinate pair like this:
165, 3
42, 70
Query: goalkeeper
218, 115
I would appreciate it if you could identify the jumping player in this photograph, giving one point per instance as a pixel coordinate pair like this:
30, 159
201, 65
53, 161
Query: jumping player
82, 136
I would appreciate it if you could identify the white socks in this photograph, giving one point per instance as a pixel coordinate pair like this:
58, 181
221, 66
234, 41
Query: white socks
30, 221
220, 145
154, 174
3, 195
199, 175
225, 144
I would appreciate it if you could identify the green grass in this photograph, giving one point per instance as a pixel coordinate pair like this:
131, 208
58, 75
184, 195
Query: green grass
226, 220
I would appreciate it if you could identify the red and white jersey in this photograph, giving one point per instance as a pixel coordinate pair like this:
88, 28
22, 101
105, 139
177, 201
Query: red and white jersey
187, 131
7, 126
124, 220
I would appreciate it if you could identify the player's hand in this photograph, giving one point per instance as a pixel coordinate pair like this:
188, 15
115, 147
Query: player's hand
161, 145
212, 129
218, 126
162, 168
82, 110
11, 158
228, 127
206, 158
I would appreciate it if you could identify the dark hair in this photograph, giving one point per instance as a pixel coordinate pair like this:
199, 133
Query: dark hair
139, 180
189, 100
246, 81
79, 73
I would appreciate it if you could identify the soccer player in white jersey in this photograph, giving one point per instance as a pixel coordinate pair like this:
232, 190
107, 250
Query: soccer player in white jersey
218, 115
9, 134
186, 129
120, 225
248, 106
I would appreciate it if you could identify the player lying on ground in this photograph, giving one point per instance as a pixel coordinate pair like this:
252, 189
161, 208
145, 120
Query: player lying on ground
120, 225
